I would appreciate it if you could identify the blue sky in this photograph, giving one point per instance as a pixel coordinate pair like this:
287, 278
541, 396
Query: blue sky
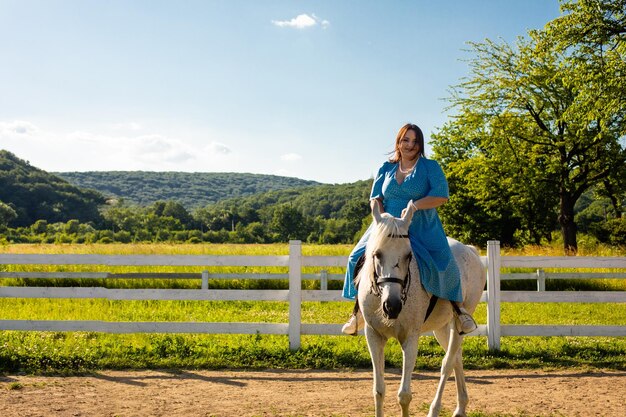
309, 89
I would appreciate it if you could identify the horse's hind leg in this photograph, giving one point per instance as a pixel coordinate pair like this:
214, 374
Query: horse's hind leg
451, 341
462, 399
376, 345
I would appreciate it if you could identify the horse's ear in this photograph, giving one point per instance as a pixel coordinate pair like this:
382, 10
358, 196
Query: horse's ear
407, 214
376, 212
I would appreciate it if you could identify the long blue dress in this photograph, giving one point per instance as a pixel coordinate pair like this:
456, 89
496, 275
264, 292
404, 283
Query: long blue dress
438, 270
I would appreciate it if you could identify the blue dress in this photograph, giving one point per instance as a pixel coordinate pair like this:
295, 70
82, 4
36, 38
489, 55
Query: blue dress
438, 270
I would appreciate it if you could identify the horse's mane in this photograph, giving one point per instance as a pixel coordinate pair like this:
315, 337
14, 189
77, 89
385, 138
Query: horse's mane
382, 232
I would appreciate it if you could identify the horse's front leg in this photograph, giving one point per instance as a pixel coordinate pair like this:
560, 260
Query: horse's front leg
376, 345
409, 356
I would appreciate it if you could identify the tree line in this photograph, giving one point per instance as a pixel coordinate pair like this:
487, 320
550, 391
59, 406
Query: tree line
233, 221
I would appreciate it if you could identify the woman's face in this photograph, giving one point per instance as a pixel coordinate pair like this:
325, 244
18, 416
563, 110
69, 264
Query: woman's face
409, 148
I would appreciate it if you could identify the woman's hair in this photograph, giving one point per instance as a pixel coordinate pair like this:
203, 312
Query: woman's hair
418, 134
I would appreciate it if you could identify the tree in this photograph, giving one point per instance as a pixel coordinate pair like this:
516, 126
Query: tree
593, 32
7, 214
177, 211
288, 223
542, 118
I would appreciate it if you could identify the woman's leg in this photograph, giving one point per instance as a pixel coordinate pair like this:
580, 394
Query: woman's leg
356, 321
355, 263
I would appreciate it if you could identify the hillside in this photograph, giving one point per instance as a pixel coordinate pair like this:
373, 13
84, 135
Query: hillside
323, 200
192, 190
36, 194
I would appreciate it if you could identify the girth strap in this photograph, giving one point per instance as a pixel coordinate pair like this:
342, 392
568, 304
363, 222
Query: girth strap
431, 306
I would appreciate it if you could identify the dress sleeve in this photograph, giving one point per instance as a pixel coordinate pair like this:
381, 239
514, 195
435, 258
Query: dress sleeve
377, 187
437, 180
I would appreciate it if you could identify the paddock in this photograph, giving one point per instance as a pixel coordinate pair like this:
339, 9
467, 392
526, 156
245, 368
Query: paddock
291, 393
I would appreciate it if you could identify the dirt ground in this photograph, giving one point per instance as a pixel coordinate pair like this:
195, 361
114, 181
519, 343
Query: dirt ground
305, 393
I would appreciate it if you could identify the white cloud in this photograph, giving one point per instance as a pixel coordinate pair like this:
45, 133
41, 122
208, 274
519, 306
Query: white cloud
17, 128
217, 148
291, 157
157, 149
115, 150
302, 21
149, 152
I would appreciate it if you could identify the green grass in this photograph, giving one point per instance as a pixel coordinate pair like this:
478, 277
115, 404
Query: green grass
84, 351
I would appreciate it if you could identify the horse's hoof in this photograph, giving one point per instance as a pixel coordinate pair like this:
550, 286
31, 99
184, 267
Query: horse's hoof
459, 413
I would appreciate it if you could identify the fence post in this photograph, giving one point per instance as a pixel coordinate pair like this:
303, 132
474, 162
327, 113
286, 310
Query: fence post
324, 280
295, 293
493, 294
205, 280
541, 280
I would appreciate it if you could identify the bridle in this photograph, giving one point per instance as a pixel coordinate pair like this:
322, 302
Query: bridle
405, 283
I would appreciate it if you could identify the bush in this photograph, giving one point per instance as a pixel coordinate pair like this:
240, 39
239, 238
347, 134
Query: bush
40, 226
63, 238
122, 237
181, 236
617, 231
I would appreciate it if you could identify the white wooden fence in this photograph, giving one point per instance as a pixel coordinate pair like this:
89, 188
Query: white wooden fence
295, 295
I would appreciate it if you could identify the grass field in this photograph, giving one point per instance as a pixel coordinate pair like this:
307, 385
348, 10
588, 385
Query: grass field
79, 351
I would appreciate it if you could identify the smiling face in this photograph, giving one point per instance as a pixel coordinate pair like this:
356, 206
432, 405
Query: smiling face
409, 144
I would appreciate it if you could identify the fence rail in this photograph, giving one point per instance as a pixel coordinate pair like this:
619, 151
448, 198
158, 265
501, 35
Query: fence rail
295, 295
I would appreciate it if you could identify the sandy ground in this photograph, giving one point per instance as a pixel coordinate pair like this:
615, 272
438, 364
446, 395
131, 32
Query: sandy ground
305, 393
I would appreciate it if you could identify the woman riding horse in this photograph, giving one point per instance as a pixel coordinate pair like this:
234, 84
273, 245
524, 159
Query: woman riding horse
409, 175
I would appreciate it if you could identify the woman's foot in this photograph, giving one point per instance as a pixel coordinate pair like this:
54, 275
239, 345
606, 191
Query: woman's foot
465, 322
353, 325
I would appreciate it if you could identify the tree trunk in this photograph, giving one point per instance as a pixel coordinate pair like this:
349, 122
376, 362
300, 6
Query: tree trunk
568, 227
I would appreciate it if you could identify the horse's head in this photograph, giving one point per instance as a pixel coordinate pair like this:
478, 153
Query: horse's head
390, 252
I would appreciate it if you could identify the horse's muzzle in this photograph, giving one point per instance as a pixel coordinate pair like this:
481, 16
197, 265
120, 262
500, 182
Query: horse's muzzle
392, 308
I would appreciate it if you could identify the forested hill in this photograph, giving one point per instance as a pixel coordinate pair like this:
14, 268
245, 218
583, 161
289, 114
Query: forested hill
192, 190
325, 200
32, 194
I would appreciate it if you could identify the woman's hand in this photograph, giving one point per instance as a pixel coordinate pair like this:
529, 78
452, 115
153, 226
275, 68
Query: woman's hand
379, 202
427, 202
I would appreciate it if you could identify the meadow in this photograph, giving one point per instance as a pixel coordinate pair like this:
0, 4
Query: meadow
70, 352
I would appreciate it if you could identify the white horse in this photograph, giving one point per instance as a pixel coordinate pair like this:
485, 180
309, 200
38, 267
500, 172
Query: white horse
394, 304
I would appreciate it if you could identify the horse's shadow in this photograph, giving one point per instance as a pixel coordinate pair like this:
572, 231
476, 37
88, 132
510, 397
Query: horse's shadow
236, 380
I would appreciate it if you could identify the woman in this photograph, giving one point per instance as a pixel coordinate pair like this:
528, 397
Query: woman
409, 175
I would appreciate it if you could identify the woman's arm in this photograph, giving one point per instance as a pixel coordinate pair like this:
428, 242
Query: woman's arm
429, 202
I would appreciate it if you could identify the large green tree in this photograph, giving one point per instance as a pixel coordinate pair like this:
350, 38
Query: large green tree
541, 122
593, 33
